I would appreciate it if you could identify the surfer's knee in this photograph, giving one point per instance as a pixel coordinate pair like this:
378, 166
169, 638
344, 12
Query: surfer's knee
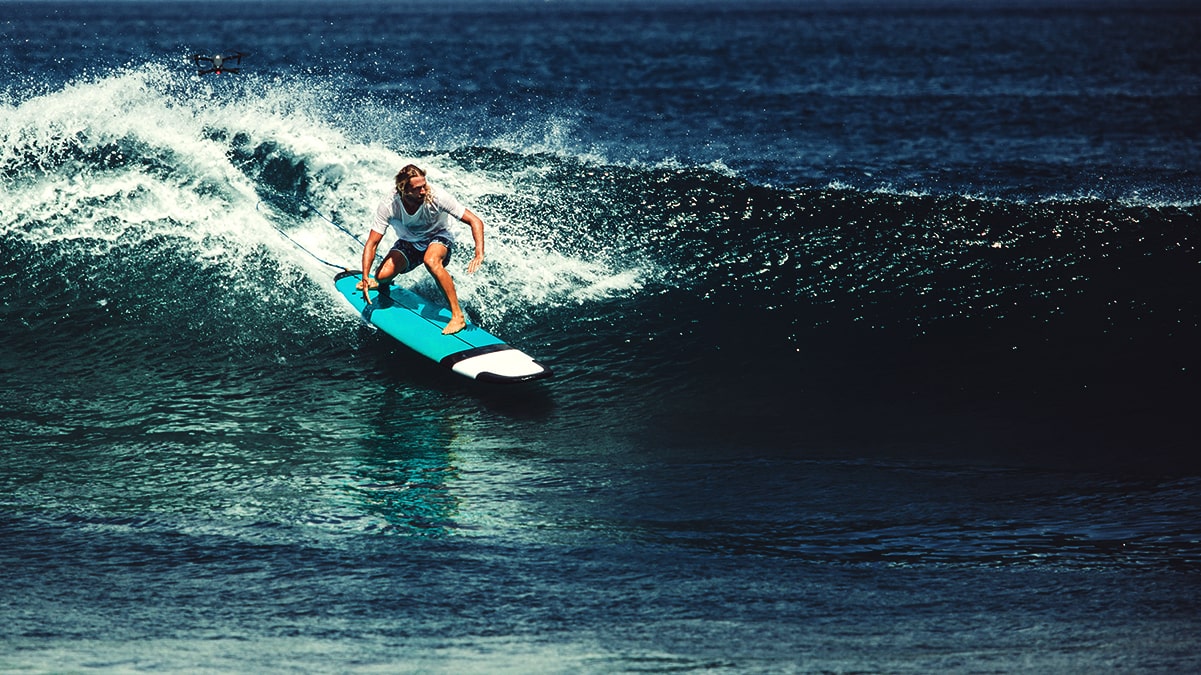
436, 255
434, 263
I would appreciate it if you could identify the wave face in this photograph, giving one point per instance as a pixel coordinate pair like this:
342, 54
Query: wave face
206, 223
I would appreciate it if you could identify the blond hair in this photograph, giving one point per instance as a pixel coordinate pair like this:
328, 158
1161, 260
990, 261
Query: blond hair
408, 173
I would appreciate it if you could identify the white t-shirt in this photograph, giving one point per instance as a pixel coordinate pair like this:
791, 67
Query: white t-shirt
431, 218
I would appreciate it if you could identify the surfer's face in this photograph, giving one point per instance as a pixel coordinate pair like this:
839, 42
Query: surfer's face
416, 189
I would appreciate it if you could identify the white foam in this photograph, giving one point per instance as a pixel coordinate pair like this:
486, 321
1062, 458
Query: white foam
149, 152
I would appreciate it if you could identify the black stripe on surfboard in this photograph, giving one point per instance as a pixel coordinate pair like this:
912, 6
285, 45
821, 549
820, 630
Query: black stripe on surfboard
451, 359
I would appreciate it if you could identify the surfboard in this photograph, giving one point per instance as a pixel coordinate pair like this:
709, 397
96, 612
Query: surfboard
417, 323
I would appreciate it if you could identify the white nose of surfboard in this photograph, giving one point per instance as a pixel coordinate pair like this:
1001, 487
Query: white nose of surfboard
509, 365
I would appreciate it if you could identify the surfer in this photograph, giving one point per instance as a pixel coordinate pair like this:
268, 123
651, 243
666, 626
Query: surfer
218, 62
420, 214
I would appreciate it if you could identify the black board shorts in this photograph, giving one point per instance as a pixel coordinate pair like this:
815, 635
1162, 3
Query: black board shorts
414, 256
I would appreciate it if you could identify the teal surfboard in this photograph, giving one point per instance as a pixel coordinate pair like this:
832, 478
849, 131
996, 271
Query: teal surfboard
417, 323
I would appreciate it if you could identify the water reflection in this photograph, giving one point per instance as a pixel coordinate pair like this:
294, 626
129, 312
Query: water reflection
405, 473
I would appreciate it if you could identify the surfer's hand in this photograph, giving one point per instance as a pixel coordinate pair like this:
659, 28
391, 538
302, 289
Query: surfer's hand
475, 263
365, 286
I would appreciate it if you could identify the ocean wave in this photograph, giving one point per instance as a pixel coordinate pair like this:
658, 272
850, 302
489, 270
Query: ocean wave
147, 179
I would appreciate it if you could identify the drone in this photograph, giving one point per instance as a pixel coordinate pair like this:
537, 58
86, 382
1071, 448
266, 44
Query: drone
218, 63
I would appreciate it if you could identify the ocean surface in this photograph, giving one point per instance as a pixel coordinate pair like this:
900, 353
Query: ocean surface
875, 329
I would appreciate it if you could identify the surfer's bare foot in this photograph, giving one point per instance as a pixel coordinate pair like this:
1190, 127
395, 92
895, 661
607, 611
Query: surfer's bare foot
372, 282
456, 324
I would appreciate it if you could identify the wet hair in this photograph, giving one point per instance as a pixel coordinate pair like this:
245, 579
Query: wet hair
406, 174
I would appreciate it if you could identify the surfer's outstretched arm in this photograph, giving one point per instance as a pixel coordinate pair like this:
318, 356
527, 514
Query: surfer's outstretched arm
477, 233
373, 239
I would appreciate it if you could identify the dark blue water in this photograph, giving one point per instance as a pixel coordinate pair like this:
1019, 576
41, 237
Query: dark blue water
874, 327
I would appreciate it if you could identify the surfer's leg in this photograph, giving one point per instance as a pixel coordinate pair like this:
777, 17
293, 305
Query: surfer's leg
396, 262
435, 258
